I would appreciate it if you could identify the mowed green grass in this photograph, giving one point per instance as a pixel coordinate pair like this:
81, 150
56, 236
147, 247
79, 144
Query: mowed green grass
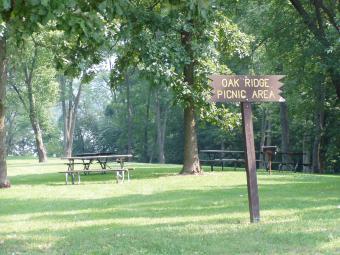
160, 212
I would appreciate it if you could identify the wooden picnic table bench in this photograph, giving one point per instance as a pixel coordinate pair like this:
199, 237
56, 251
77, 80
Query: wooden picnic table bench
120, 174
89, 159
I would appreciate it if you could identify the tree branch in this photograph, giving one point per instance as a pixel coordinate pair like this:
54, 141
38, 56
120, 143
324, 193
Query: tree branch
330, 15
318, 16
19, 93
310, 22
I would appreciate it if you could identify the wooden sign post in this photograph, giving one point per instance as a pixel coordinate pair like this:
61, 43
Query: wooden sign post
247, 89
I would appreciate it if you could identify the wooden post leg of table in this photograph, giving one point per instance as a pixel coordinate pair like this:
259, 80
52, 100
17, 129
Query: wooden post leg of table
270, 163
121, 162
250, 160
117, 176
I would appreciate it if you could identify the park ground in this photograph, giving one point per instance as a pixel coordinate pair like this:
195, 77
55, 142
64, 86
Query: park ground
160, 212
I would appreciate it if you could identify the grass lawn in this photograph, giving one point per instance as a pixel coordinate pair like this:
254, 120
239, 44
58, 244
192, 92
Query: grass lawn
159, 212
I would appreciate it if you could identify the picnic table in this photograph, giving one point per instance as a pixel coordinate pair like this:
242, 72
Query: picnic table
293, 163
223, 157
89, 159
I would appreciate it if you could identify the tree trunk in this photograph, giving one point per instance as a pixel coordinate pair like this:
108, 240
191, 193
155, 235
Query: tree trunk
319, 125
269, 133
161, 128
129, 115
10, 131
285, 144
191, 164
316, 25
69, 113
37, 130
316, 166
306, 153
263, 138
268, 140
3, 78
146, 130
62, 83
161, 157
42, 155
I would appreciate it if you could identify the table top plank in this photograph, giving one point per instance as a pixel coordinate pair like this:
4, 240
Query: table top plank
220, 151
113, 156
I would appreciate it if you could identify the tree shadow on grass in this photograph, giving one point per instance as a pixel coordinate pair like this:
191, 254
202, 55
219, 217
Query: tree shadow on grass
175, 202
172, 222
59, 178
188, 237
211, 220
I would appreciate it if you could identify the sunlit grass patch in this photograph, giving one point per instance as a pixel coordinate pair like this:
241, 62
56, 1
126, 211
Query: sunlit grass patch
160, 212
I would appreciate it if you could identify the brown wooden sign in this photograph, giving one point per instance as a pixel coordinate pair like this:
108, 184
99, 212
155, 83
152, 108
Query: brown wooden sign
246, 88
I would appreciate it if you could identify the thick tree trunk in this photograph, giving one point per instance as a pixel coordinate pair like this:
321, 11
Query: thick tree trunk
285, 144
191, 164
3, 78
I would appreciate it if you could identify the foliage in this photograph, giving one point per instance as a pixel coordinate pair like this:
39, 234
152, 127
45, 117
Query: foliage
141, 40
34, 66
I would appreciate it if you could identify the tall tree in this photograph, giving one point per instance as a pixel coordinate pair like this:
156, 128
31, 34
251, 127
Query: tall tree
321, 19
3, 78
191, 162
172, 43
70, 103
20, 19
31, 74
27, 66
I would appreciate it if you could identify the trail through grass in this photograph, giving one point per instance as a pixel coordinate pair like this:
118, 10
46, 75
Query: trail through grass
159, 212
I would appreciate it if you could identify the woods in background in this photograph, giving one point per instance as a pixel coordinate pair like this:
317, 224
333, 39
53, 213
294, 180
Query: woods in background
100, 79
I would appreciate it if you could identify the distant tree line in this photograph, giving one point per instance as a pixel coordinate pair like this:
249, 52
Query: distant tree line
131, 76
